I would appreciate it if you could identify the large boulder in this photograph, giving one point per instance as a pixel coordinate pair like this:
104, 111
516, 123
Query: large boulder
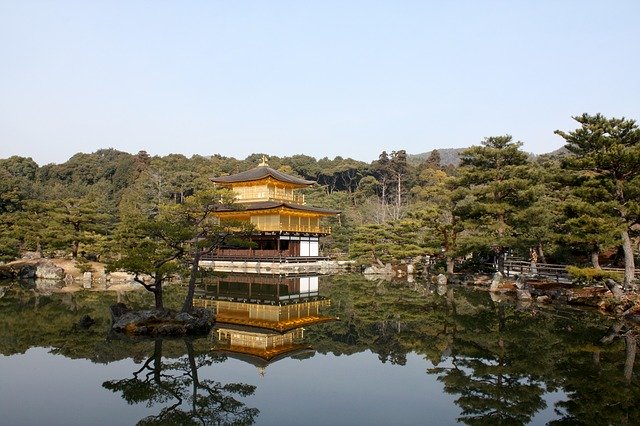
26, 272
45, 269
18, 269
379, 270
496, 282
117, 310
129, 321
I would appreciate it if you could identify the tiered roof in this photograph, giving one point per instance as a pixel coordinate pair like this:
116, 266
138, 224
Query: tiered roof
268, 205
263, 171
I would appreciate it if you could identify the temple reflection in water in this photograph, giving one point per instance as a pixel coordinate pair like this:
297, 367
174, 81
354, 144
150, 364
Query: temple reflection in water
261, 318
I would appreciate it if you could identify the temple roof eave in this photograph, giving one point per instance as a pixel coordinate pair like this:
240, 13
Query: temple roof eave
276, 205
259, 173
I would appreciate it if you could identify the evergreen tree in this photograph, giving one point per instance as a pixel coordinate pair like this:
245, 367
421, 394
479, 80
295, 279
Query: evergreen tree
538, 222
435, 213
493, 180
606, 153
76, 221
155, 247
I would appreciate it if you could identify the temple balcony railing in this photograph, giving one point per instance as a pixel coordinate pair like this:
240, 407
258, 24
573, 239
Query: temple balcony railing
255, 196
293, 228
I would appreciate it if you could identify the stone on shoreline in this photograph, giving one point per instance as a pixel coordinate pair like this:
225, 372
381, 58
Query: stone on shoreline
160, 322
379, 270
46, 269
31, 269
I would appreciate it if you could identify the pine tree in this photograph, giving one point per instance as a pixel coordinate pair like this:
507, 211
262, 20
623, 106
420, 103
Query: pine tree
607, 157
492, 183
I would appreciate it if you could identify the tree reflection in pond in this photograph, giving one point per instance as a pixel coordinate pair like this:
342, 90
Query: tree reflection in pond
495, 361
501, 360
185, 398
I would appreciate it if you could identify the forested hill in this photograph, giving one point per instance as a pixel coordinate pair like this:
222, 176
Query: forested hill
499, 200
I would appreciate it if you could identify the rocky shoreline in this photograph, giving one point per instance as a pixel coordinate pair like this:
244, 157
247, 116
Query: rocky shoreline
63, 275
608, 297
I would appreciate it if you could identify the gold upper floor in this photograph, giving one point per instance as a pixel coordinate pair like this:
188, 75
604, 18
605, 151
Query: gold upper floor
266, 190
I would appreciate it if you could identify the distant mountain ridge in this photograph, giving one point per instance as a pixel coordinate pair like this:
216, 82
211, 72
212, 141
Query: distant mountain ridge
451, 156
448, 156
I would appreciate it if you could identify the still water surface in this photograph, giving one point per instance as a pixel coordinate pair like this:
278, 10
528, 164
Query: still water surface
396, 353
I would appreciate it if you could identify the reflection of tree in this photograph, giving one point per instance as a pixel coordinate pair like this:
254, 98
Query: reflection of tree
186, 398
494, 370
388, 345
503, 359
601, 388
389, 319
490, 394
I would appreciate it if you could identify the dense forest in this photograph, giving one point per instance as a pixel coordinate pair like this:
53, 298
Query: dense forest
579, 205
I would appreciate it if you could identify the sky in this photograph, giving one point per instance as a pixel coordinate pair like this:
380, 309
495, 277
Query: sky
323, 78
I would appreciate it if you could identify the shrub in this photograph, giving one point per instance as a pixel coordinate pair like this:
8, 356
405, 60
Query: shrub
590, 276
83, 265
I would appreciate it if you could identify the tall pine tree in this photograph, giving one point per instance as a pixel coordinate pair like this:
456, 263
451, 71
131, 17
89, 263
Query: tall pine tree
493, 182
607, 156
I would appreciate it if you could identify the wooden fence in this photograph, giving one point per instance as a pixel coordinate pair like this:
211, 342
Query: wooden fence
556, 272
548, 270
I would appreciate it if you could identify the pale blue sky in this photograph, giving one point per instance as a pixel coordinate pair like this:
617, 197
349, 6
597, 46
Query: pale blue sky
322, 78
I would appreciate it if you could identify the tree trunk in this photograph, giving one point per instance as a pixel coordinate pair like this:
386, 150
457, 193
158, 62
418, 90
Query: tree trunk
157, 293
613, 332
188, 300
595, 258
629, 263
614, 288
500, 261
449, 265
632, 342
541, 253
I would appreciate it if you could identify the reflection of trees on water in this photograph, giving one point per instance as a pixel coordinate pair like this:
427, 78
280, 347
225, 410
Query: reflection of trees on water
185, 397
498, 358
491, 394
490, 370
603, 388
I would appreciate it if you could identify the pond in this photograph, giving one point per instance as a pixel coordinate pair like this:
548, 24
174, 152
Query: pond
328, 350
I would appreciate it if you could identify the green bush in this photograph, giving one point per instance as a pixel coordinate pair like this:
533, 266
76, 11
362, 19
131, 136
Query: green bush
589, 276
83, 265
